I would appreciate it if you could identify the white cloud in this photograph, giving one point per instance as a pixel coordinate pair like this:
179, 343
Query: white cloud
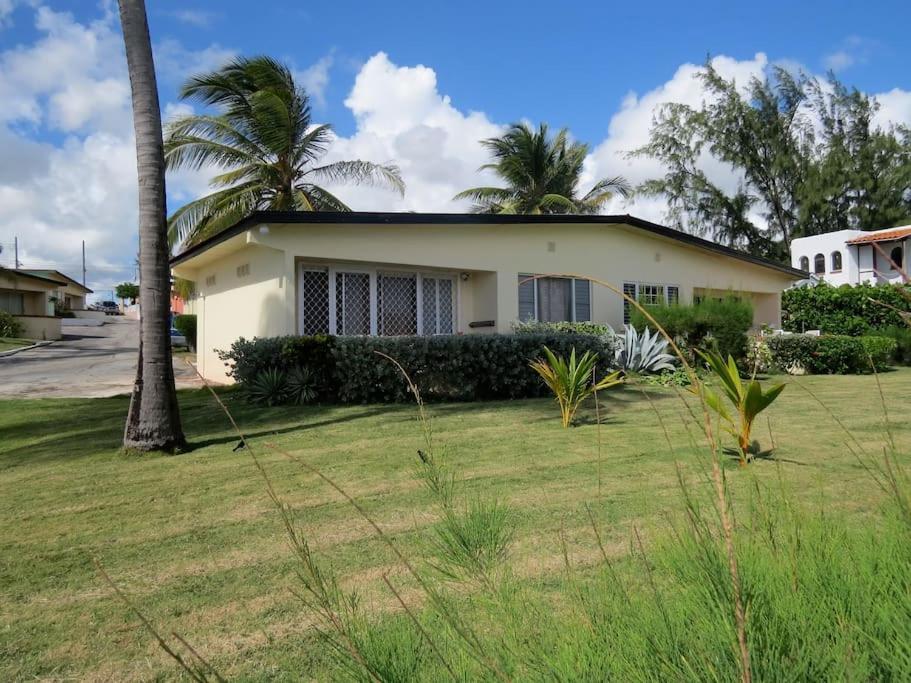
894, 108
315, 79
174, 63
6, 12
838, 61
853, 50
194, 17
72, 83
402, 118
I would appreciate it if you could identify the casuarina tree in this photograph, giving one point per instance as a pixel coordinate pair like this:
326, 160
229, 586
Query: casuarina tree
153, 422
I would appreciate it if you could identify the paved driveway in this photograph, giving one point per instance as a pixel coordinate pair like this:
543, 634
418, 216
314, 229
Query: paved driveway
89, 362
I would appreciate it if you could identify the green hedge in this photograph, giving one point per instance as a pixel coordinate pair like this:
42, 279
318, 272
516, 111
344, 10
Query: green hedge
710, 323
186, 325
445, 368
902, 336
850, 310
535, 327
831, 354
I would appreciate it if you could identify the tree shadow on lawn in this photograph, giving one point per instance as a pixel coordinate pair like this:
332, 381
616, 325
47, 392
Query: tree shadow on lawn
45, 430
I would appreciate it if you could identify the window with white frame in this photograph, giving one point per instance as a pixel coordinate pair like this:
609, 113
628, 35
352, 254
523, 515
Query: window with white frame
554, 299
364, 301
397, 304
648, 294
436, 305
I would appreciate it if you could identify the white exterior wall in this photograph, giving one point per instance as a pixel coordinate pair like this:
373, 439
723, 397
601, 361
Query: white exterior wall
861, 263
484, 259
826, 244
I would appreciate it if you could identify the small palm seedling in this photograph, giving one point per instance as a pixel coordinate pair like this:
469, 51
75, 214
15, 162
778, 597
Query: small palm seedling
747, 398
572, 381
643, 353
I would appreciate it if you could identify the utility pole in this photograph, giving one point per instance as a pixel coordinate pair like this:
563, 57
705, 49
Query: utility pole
83, 263
16, 253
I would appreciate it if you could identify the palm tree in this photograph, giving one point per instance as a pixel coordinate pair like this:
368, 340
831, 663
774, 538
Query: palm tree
153, 421
541, 174
264, 141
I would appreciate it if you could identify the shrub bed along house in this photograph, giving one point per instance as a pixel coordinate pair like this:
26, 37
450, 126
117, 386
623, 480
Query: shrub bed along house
831, 354
710, 323
9, 326
849, 309
445, 368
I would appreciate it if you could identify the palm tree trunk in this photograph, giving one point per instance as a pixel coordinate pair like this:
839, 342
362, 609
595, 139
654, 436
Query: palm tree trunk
153, 422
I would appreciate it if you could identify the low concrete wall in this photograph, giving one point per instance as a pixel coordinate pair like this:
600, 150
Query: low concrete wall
90, 315
81, 322
40, 327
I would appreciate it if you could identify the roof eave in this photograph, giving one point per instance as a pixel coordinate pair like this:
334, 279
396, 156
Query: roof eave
382, 218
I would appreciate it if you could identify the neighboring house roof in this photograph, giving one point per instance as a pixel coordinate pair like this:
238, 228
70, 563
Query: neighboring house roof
380, 218
32, 275
883, 235
62, 278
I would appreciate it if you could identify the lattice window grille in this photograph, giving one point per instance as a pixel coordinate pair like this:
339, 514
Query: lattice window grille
314, 296
397, 304
436, 305
352, 303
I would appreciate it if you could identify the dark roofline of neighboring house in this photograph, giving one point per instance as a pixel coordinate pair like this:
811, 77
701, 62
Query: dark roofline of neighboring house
397, 218
67, 278
25, 273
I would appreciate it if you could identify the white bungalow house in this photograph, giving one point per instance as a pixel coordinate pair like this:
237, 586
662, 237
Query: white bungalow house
852, 257
360, 273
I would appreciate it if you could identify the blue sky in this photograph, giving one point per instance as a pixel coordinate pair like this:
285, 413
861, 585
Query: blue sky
598, 68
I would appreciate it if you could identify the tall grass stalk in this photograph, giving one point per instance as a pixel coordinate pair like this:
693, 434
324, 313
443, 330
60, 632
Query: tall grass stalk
723, 502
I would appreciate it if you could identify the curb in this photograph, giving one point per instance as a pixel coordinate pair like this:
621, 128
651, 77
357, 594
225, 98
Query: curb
13, 352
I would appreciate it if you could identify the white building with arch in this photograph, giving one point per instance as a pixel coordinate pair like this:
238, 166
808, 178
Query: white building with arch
852, 257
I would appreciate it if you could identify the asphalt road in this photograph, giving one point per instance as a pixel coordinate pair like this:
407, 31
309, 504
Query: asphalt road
88, 362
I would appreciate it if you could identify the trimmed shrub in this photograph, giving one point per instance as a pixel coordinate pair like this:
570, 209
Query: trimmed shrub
9, 326
831, 354
722, 325
849, 310
534, 327
445, 368
186, 325
902, 336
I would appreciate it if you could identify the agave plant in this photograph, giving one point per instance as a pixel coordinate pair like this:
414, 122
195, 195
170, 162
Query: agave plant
301, 386
269, 387
571, 381
643, 353
747, 398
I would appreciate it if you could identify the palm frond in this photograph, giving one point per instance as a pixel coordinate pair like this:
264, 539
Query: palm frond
197, 218
360, 173
320, 199
263, 139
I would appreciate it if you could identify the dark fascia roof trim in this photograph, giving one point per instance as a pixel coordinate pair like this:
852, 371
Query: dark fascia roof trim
397, 218
67, 280
25, 273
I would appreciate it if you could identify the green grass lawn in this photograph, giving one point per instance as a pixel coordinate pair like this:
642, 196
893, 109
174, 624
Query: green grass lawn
195, 542
8, 344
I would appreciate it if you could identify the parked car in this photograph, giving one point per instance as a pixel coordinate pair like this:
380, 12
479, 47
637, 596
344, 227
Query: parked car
108, 307
177, 339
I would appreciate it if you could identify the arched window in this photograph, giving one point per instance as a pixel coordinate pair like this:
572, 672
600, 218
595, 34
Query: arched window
819, 264
896, 256
805, 263
836, 261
